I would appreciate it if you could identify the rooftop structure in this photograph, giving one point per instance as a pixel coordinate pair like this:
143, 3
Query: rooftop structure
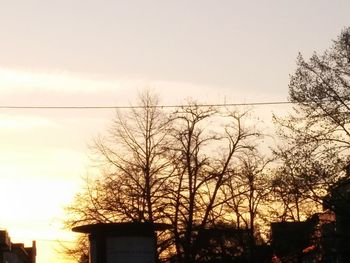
15, 252
133, 242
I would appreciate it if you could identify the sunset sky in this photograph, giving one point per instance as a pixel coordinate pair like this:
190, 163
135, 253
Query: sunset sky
101, 53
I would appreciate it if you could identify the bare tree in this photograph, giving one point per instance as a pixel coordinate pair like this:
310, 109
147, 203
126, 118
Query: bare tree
293, 187
317, 134
203, 158
251, 183
132, 184
169, 169
247, 195
321, 89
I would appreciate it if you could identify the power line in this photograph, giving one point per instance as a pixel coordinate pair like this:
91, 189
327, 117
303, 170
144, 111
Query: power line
140, 107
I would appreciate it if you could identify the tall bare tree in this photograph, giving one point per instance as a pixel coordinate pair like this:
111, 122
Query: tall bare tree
293, 185
248, 189
170, 169
203, 157
132, 184
317, 134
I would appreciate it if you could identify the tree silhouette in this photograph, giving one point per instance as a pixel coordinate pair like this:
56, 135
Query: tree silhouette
169, 168
316, 137
204, 158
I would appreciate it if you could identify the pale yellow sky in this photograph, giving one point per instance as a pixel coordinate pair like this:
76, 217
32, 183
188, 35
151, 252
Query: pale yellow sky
101, 53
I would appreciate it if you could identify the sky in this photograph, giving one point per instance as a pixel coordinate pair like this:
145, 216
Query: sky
102, 53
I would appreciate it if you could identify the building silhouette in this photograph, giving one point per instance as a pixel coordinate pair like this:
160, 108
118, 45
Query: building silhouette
15, 252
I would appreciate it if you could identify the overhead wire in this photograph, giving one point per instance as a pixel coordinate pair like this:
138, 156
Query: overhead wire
140, 107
